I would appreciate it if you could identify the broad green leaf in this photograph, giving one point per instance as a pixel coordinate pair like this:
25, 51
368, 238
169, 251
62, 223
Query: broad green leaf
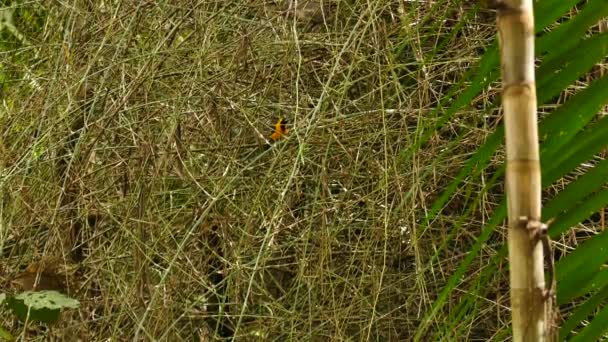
47, 299
19, 309
42, 306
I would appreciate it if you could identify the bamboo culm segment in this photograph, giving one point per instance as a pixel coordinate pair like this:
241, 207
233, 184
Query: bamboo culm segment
515, 22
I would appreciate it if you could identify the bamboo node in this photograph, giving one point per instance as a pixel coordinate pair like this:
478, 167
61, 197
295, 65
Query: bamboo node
503, 8
536, 228
519, 88
539, 232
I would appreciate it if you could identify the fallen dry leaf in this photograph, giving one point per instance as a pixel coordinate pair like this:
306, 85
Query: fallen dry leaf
41, 275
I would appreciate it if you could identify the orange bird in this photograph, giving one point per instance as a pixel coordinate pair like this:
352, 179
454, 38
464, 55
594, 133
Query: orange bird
280, 129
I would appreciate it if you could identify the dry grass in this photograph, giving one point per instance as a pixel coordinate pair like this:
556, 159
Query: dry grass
132, 148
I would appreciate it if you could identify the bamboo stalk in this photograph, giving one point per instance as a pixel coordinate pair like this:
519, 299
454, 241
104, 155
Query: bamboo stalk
530, 308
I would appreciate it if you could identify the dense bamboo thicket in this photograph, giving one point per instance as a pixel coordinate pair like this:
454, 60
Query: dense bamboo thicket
142, 174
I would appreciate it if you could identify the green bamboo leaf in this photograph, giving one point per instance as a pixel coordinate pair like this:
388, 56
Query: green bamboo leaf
594, 280
596, 182
548, 11
595, 330
473, 166
558, 77
588, 144
483, 155
453, 32
462, 268
458, 225
587, 104
461, 320
577, 190
598, 281
484, 75
567, 34
581, 265
567, 68
582, 312
559, 128
595, 43
578, 214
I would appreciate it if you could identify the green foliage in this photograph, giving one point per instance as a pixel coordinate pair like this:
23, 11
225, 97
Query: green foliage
5, 335
20, 23
584, 311
39, 306
327, 227
571, 136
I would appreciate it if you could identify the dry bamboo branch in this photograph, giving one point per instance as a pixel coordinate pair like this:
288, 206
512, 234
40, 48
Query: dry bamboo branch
529, 299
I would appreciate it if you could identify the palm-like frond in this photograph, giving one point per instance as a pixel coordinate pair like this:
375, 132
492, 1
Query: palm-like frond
570, 135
